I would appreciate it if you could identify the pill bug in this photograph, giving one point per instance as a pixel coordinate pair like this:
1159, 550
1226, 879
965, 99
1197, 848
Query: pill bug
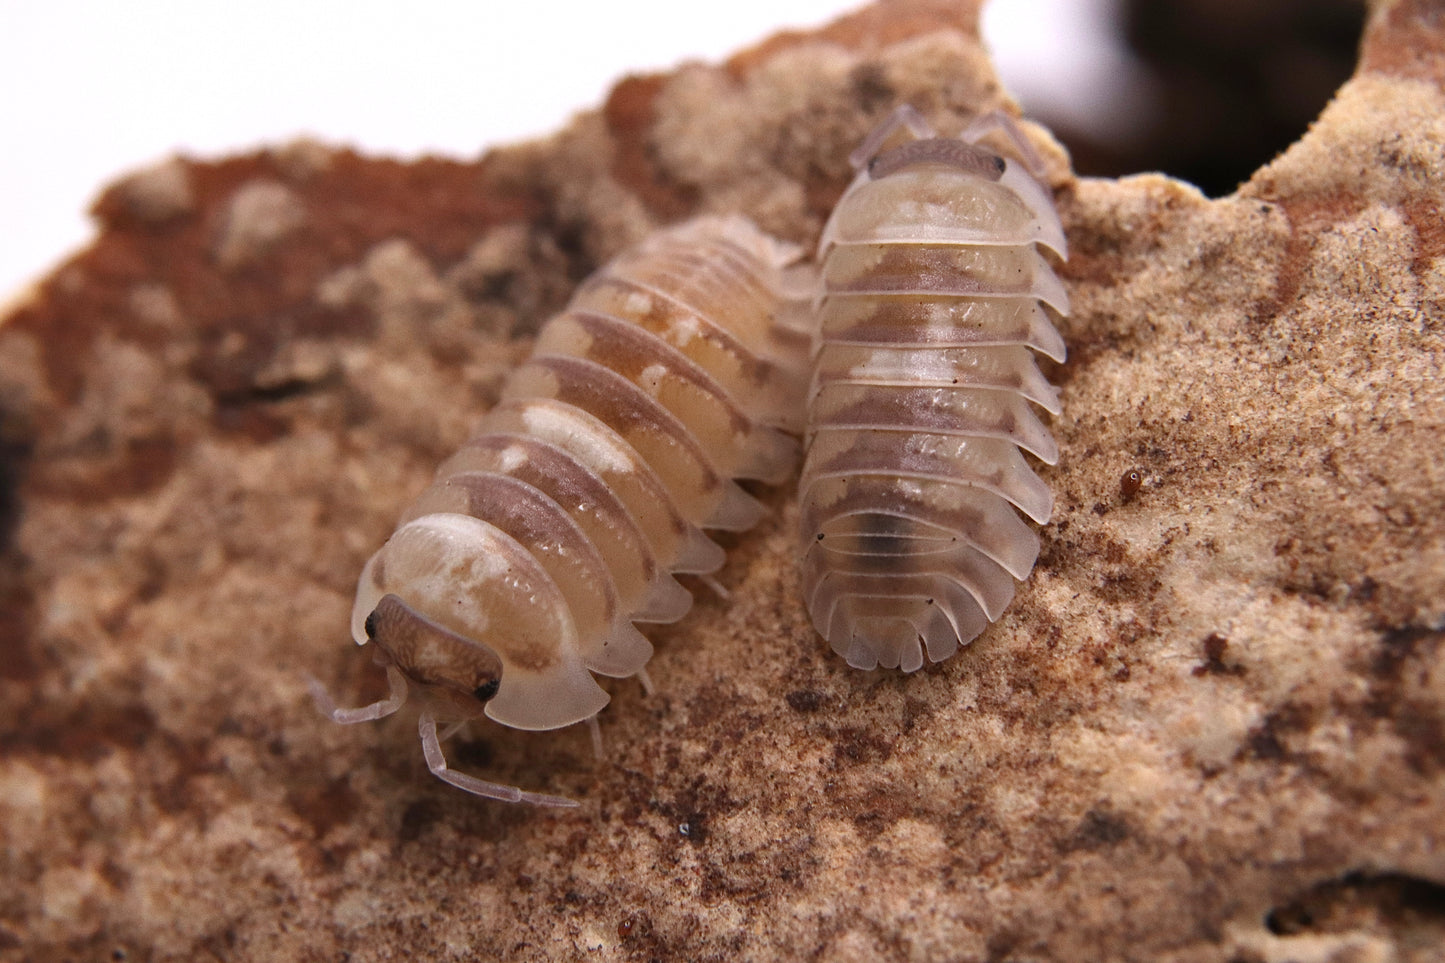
934, 293
521, 570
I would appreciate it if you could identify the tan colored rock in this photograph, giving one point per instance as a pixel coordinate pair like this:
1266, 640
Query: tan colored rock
1211, 727
260, 215
157, 194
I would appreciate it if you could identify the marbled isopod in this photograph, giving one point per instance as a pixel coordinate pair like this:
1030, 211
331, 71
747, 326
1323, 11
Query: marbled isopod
934, 295
521, 570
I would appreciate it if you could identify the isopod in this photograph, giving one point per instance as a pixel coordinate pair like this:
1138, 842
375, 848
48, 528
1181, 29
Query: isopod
934, 293
521, 570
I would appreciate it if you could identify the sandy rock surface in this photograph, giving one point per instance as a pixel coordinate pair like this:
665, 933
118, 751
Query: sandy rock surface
1210, 728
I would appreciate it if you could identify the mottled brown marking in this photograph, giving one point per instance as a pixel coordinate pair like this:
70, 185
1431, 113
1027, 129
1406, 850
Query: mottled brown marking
324, 805
113, 469
1269, 741
663, 314
875, 93
1428, 221
926, 269
83, 734
558, 475
1406, 41
628, 350
805, 700
624, 408
432, 654
441, 206
1403, 654
1214, 646
1307, 217
1099, 829
926, 409
17, 620
856, 746
630, 114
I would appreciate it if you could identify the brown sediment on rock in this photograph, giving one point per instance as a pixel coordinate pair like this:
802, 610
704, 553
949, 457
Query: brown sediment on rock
1404, 41
1211, 727
630, 114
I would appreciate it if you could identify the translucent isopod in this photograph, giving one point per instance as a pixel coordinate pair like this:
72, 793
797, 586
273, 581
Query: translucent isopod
520, 572
935, 293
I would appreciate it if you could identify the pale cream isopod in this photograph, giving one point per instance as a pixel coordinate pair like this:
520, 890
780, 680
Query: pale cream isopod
520, 572
935, 294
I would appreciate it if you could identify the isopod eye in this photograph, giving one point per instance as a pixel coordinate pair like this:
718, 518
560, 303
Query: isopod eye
485, 691
999, 164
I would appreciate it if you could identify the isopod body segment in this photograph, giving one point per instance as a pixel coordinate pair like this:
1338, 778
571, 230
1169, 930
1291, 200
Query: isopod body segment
520, 572
935, 295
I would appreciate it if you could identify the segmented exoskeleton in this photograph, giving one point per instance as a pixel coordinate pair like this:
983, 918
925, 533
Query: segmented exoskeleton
520, 571
933, 294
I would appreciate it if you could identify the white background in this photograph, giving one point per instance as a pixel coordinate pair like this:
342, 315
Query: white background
92, 88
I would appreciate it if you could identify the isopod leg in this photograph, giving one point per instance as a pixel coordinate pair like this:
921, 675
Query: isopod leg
376, 710
996, 120
904, 115
431, 747
717, 588
647, 685
595, 731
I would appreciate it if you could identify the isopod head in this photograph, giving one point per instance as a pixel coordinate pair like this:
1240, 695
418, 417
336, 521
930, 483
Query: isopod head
472, 581
455, 675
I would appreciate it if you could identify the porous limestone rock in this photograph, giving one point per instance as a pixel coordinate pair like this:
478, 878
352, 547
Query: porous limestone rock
1211, 727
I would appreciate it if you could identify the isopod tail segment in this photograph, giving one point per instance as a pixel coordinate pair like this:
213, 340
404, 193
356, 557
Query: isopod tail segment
522, 571
934, 297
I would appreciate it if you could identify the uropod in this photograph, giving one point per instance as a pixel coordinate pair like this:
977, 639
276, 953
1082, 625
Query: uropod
934, 294
521, 570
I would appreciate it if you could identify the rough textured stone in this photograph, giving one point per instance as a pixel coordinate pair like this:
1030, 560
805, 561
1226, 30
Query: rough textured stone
1211, 727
